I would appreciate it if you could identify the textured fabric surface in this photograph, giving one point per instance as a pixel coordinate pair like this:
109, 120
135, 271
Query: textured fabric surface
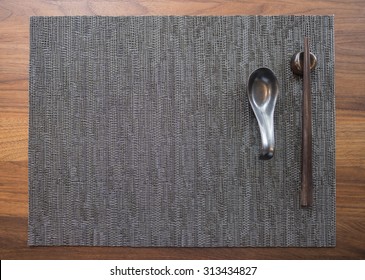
141, 133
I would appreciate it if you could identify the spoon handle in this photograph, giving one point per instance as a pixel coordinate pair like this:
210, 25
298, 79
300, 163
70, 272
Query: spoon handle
266, 125
306, 195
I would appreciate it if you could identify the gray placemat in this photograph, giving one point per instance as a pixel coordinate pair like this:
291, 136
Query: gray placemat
141, 133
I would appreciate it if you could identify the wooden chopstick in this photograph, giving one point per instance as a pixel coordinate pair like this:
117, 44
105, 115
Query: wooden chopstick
306, 195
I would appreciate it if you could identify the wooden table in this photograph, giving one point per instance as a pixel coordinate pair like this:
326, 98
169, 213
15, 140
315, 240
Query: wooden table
350, 122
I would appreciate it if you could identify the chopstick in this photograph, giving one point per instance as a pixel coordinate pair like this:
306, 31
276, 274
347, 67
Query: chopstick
306, 194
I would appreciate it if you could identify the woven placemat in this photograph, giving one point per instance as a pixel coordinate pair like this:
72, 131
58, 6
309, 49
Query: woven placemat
141, 133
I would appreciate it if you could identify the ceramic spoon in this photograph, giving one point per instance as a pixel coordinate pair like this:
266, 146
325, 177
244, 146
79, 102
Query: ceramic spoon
263, 90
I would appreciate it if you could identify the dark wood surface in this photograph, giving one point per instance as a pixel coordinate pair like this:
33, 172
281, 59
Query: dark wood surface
350, 122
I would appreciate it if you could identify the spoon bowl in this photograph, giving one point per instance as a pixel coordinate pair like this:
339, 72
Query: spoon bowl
263, 90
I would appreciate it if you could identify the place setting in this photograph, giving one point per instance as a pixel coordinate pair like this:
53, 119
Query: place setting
182, 131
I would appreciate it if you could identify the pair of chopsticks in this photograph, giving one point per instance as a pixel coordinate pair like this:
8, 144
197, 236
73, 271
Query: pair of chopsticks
306, 194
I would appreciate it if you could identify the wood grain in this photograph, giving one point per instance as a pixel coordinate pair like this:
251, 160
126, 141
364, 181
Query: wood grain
350, 122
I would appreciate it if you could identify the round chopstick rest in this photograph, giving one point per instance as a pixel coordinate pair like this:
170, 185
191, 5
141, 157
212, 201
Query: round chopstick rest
297, 62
